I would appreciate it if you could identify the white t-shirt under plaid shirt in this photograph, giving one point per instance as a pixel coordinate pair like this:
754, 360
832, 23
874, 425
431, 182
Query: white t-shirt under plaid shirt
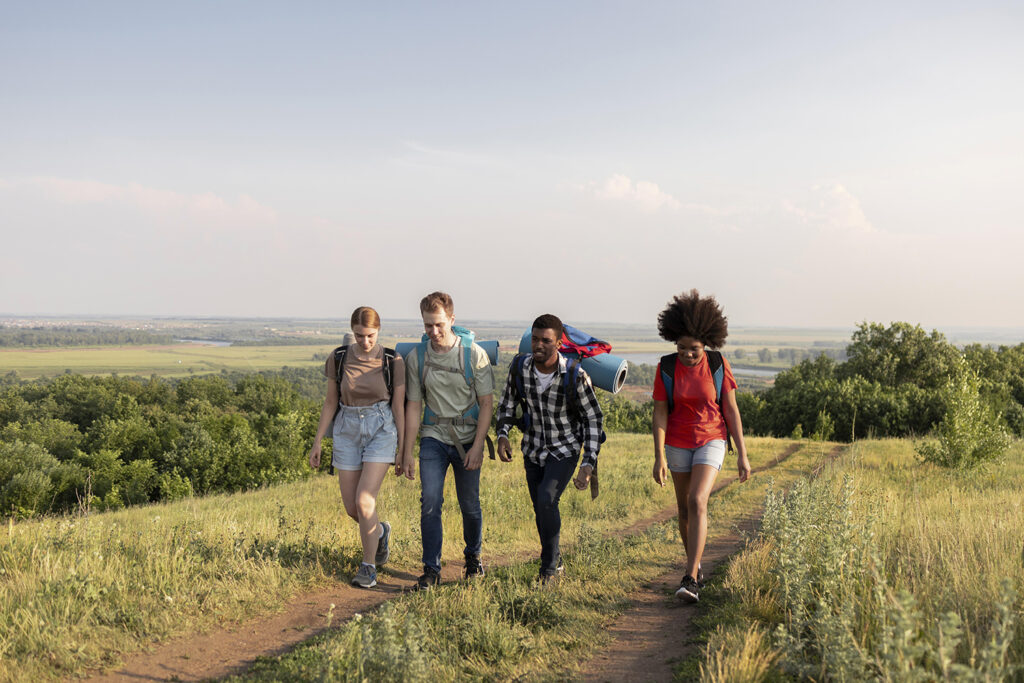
552, 432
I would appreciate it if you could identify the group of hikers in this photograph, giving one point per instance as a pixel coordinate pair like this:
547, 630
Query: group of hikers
378, 403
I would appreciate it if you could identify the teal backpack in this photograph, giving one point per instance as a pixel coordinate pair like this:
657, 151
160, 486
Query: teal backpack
470, 416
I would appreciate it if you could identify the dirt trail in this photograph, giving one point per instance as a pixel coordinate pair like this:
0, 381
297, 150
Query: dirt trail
658, 630
233, 649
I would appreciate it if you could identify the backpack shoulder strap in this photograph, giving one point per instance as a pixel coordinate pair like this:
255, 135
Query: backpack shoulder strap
715, 365
668, 377
388, 367
570, 380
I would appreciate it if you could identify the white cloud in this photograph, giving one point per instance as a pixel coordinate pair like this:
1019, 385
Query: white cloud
642, 193
210, 208
831, 208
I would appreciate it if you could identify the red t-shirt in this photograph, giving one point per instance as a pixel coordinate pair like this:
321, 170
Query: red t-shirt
695, 418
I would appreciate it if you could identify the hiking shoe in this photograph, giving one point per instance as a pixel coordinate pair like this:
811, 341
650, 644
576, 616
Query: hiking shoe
549, 580
383, 544
366, 577
474, 567
428, 579
700, 576
688, 589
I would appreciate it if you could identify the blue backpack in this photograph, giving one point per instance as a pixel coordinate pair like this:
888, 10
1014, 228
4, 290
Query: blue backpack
717, 368
471, 414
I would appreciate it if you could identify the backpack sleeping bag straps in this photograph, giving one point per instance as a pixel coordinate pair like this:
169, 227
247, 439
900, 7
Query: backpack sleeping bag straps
472, 414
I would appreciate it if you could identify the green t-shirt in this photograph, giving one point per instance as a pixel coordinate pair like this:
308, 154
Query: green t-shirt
448, 395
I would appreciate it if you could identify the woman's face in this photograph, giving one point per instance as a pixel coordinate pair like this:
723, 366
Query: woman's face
366, 337
690, 350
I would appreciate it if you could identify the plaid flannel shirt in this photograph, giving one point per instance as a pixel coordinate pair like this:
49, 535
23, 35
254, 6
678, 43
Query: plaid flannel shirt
552, 432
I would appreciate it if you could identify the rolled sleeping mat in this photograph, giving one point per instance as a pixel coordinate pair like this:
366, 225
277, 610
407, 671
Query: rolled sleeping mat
491, 347
606, 371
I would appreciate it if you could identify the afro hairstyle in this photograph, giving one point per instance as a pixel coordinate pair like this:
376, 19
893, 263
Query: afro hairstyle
691, 315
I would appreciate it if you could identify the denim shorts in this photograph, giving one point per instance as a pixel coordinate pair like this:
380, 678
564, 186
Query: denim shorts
364, 434
683, 459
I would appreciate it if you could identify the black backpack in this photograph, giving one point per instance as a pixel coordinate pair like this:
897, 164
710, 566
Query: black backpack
715, 365
388, 368
569, 381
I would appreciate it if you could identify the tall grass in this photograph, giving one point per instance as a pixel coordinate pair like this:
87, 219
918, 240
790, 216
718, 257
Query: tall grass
884, 568
78, 592
504, 627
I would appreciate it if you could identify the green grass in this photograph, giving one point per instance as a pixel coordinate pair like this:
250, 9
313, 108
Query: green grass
503, 627
179, 360
886, 568
77, 592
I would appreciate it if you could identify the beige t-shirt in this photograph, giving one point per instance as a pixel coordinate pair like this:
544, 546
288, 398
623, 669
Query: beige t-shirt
447, 392
362, 382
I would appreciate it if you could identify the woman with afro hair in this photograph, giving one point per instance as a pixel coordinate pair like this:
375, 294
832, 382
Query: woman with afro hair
690, 438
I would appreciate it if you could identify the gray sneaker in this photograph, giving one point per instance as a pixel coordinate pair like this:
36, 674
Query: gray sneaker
366, 577
383, 544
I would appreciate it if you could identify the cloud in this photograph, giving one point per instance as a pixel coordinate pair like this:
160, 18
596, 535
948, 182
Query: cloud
644, 194
832, 208
207, 207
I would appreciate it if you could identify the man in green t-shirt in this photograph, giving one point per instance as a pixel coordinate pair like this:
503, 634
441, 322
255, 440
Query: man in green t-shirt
448, 435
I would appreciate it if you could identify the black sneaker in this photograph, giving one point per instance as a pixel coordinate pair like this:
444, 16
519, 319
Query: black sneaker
474, 567
688, 589
428, 579
383, 544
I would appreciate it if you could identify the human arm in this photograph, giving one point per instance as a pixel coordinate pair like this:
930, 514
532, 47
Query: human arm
593, 419
659, 427
413, 410
326, 417
735, 424
475, 455
506, 417
398, 411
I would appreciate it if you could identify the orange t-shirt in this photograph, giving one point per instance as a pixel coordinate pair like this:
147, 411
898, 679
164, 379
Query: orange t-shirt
695, 418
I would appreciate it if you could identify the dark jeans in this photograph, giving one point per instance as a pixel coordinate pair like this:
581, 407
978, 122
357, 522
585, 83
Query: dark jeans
546, 485
435, 457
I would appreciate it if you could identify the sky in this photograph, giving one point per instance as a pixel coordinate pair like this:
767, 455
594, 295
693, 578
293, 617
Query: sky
810, 164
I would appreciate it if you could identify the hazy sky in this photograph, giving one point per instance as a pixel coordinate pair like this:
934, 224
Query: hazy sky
809, 163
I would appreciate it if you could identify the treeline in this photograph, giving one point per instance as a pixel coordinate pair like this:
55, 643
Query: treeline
107, 442
78, 336
891, 385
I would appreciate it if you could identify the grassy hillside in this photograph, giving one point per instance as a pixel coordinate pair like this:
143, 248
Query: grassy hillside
883, 568
79, 591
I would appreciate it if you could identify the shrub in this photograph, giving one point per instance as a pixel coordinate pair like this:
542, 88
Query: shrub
971, 432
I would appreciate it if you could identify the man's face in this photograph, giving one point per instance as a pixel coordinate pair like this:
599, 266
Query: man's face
437, 324
544, 345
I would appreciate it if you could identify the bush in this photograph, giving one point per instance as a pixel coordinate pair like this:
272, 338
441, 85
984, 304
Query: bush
971, 432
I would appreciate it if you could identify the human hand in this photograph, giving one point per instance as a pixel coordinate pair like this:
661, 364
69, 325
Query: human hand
582, 480
314, 455
660, 471
743, 466
504, 449
474, 457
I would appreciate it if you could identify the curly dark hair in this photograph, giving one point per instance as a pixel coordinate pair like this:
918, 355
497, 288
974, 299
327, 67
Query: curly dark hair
691, 315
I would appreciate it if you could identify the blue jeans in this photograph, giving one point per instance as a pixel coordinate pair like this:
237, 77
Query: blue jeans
546, 485
435, 457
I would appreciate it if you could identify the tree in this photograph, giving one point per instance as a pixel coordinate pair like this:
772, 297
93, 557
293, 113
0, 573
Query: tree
899, 354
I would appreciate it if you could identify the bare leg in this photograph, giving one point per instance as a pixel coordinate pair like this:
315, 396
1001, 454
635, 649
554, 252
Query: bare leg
370, 529
702, 480
348, 482
681, 482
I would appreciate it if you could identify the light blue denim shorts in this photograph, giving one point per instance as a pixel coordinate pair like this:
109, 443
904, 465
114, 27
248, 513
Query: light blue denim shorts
364, 434
683, 459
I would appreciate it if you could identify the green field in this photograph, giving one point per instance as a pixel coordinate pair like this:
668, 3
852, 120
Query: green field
77, 592
179, 360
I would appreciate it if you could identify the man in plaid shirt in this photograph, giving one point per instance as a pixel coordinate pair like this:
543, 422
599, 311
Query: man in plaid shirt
559, 425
